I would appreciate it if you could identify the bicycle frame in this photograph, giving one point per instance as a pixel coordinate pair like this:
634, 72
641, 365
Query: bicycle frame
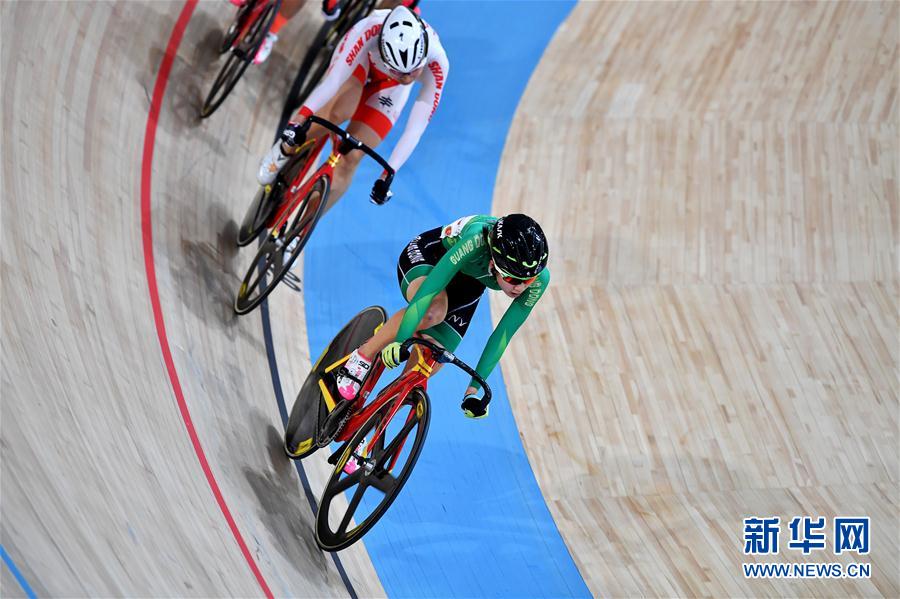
341, 144
248, 19
295, 195
397, 391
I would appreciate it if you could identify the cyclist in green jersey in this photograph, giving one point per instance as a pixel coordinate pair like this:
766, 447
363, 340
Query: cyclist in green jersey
443, 273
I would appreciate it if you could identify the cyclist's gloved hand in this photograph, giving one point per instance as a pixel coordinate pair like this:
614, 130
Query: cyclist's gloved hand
391, 355
294, 133
380, 192
474, 406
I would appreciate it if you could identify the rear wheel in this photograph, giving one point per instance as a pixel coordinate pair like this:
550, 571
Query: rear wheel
318, 56
298, 92
231, 34
380, 476
309, 410
239, 59
280, 249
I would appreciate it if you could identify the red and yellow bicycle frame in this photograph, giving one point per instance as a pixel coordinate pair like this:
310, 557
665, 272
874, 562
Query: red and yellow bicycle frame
294, 193
248, 20
396, 392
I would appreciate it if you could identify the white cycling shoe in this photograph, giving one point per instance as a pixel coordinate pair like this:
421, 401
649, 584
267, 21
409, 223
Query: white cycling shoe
265, 48
271, 164
352, 374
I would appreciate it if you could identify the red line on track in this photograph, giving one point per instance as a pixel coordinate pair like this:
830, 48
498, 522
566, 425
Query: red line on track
159, 90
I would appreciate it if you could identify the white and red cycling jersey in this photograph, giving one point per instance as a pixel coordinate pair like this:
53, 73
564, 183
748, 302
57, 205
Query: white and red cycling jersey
383, 98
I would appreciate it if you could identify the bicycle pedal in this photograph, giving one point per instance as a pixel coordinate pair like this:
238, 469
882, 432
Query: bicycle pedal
333, 458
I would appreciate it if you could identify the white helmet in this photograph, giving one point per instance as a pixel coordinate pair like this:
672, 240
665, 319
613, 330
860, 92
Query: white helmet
404, 40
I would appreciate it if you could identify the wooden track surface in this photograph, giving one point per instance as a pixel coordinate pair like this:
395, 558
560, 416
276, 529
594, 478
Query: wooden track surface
719, 184
101, 492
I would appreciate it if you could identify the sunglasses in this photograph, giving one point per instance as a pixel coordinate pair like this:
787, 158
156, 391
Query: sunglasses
513, 280
396, 75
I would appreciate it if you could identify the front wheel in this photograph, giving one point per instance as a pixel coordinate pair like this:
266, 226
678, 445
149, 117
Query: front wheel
268, 199
280, 249
234, 30
240, 56
311, 70
383, 470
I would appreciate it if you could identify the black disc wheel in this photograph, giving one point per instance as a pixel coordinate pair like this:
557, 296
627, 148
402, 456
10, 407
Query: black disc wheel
309, 410
238, 60
260, 210
344, 519
268, 198
280, 249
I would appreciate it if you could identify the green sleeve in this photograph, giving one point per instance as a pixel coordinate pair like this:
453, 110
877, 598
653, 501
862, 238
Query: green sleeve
515, 315
436, 281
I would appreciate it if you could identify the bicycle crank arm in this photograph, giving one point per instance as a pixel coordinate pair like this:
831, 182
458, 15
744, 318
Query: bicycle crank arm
334, 422
333, 458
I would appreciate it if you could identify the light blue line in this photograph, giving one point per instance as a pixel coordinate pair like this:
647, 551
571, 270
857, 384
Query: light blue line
12, 568
471, 520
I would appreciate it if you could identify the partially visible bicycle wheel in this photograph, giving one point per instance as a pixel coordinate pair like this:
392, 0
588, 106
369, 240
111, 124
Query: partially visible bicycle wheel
280, 249
380, 477
309, 408
318, 56
239, 59
268, 198
234, 30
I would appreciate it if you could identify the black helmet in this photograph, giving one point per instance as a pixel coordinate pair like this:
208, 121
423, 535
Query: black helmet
518, 246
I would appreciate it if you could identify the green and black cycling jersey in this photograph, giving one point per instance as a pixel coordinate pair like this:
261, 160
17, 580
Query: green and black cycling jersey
456, 258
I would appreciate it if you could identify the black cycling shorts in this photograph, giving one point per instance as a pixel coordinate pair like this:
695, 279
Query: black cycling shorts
463, 292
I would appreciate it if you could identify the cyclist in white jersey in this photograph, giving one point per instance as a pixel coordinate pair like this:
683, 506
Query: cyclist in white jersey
368, 82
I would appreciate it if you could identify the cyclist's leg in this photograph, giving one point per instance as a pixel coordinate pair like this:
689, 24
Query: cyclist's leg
357, 366
336, 110
436, 313
288, 9
341, 107
380, 104
463, 294
346, 169
413, 265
